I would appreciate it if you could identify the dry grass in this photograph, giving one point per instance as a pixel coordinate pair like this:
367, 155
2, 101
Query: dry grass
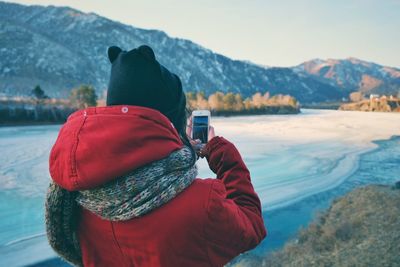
359, 229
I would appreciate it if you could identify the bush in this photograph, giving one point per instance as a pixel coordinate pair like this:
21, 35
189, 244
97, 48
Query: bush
345, 231
83, 97
356, 96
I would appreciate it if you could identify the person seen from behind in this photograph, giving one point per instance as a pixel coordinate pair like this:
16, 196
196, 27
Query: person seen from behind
124, 190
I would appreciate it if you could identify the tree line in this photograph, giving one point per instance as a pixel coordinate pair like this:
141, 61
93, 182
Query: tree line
230, 103
80, 97
85, 96
41, 108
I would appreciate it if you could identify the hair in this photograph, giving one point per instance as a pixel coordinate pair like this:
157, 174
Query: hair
180, 124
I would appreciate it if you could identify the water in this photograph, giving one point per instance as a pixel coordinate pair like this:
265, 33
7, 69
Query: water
298, 164
379, 166
24, 177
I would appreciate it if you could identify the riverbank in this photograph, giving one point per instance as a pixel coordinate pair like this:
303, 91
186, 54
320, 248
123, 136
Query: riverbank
374, 104
265, 110
34, 112
360, 228
25, 114
378, 166
322, 105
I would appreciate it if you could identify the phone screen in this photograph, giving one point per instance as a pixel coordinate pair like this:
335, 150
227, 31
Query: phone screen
200, 128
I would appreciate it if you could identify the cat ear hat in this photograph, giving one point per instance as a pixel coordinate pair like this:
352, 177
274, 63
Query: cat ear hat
137, 78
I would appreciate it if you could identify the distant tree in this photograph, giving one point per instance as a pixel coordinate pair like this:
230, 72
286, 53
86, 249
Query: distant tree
238, 102
190, 96
258, 100
293, 102
201, 101
38, 93
356, 96
191, 100
229, 101
202, 94
215, 101
248, 104
82, 97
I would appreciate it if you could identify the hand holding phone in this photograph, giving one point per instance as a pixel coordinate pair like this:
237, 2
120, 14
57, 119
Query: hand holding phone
197, 143
200, 125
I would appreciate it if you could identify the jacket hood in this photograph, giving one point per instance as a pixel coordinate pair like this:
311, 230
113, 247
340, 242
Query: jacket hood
98, 144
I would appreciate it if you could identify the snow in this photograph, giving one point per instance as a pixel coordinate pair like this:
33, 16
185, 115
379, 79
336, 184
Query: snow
294, 156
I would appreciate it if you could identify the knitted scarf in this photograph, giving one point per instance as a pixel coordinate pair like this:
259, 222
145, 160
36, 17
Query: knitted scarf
124, 198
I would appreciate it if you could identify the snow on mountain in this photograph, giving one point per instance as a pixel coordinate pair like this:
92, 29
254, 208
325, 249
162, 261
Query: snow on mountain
60, 48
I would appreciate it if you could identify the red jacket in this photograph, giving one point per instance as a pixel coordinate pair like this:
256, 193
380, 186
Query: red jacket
208, 224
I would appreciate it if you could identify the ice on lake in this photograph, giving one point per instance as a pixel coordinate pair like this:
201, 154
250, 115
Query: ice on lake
290, 157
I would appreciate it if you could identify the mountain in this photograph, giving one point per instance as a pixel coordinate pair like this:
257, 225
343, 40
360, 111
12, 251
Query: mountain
60, 48
353, 75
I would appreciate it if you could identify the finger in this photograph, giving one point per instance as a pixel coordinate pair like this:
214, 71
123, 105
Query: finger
194, 142
202, 151
189, 127
211, 132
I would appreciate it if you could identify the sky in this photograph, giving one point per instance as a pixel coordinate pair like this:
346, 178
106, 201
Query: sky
266, 32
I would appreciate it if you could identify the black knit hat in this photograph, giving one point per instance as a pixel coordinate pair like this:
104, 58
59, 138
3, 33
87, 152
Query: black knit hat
137, 78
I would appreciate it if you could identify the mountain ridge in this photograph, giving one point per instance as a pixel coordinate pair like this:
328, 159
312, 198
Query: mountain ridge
353, 74
61, 47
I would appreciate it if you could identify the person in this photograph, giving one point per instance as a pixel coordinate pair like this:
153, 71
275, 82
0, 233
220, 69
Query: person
124, 190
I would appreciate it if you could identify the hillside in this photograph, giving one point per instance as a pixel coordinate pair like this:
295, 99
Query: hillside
352, 74
60, 48
360, 229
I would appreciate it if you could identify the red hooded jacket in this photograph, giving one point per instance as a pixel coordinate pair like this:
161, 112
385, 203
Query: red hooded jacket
208, 224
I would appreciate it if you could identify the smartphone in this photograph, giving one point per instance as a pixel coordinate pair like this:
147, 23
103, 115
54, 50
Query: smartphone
200, 125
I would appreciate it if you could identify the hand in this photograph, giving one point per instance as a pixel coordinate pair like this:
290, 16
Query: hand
189, 130
211, 133
196, 144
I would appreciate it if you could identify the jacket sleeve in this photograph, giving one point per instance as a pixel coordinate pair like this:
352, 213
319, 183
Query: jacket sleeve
235, 222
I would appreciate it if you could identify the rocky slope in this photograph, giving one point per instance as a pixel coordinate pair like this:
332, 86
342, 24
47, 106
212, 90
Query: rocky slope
354, 75
360, 229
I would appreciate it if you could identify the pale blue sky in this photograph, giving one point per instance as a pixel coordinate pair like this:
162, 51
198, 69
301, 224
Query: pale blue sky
268, 32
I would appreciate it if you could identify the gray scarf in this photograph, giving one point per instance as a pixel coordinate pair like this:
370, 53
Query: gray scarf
124, 198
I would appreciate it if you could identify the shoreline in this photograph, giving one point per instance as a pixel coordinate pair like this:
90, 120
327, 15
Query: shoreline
21, 124
231, 115
382, 104
353, 221
351, 172
280, 221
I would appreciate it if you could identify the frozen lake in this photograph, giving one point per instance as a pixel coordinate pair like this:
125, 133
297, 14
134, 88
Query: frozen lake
291, 158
